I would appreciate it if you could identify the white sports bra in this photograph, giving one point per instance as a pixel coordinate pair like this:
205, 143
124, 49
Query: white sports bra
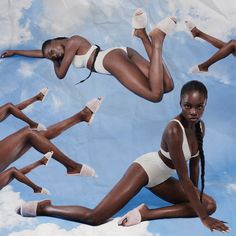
80, 61
185, 146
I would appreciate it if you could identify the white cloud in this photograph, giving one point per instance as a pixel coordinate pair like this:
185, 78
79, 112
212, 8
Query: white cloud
9, 201
12, 31
109, 229
60, 17
231, 188
27, 69
57, 103
207, 15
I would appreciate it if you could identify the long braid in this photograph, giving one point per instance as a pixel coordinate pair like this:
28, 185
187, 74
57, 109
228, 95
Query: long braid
195, 85
202, 156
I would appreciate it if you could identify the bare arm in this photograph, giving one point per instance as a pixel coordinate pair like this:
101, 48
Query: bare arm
25, 53
175, 139
61, 67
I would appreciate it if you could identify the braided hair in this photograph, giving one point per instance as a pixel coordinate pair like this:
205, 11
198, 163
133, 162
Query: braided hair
47, 42
195, 85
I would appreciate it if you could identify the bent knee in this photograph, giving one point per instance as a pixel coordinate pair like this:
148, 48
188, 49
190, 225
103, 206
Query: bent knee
157, 97
232, 42
93, 219
210, 205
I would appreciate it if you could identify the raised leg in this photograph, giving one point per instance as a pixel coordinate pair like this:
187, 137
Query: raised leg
225, 51
210, 39
129, 185
144, 65
127, 72
12, 173
10, 108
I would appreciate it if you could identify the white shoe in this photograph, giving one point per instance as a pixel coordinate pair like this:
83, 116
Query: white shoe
139, 19
44, 91
28, 209
44, 191
48, 156
167, 25
195, 70
85, 171
190, 25
40, 127
133, 217
94, 105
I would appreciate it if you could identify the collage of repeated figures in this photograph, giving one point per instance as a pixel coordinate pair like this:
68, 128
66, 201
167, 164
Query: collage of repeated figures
117, 117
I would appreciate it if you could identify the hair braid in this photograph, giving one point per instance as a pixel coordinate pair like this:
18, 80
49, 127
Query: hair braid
202, 157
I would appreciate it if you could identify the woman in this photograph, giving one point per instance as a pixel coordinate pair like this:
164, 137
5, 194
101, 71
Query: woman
181, 141
15, 145
225, 49
12, 173
149, 80
15, 110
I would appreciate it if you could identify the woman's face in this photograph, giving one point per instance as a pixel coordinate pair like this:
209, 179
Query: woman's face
54, 51
193, 104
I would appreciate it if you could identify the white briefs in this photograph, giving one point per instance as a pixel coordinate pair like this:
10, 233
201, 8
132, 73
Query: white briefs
80, 61
98, 66
155, 168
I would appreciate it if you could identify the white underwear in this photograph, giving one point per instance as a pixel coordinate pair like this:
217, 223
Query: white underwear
155, 168
98, 66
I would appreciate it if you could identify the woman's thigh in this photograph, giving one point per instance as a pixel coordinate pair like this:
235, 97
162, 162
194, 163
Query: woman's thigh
127, 72
12, 147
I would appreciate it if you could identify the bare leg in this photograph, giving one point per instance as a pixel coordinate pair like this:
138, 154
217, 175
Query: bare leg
225, 51
12, 173
129, 185
16, 144
144, 65
172, 191
210, 39
10, 108
25, 170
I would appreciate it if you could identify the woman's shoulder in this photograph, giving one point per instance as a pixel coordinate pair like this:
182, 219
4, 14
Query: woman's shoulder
173, 128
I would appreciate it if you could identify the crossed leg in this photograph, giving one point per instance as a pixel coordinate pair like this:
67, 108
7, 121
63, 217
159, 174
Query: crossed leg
225, 49
144, 65
12, 173
135, 74
16, 144
15, 110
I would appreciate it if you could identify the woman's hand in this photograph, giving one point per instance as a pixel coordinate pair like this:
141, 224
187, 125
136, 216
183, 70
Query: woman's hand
8, 53
214, 224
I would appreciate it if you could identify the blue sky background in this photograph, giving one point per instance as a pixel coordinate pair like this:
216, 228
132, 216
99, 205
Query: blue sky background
127, 125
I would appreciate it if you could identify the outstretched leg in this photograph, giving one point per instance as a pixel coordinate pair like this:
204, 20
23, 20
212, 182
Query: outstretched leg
144, 64
225, 51
10, 108
16, 144
210, 39
129, 185
13, 173
15, 110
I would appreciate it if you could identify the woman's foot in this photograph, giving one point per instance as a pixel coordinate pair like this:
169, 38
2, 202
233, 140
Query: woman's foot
134, 216
197, 69
42, 94
83, 170
46, 158
139, 21
42, 191
191, 27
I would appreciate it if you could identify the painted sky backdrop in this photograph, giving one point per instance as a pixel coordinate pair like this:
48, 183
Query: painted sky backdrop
127, 125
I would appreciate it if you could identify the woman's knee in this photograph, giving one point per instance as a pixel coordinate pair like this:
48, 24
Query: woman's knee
210, 205
94, 219
157, 97
13, 171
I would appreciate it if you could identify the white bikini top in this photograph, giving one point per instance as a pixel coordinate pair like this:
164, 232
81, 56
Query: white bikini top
185, 146
80, 61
